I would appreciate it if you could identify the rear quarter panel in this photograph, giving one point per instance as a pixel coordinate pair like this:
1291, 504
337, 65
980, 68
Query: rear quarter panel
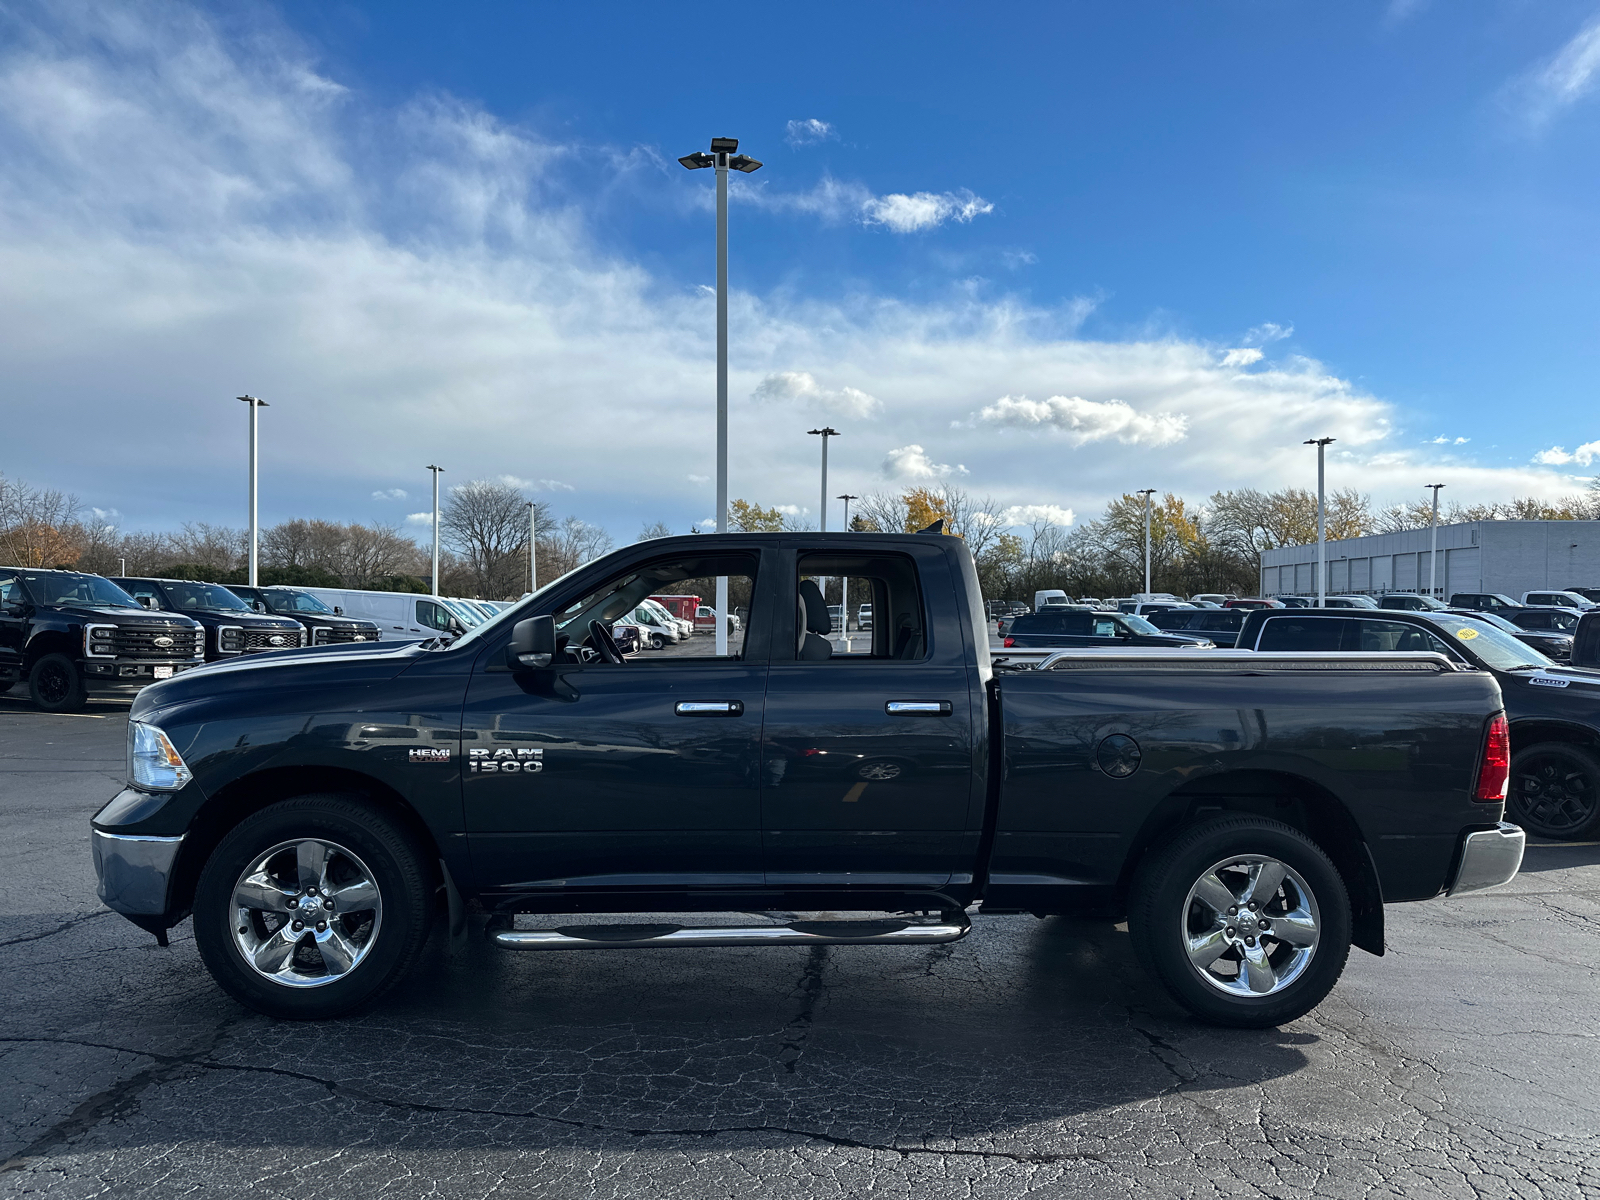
1399, 753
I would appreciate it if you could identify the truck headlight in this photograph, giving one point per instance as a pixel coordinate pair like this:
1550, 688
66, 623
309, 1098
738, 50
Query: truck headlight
154, 764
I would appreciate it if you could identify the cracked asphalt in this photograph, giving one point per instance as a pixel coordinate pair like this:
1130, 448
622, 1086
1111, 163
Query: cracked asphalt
1032, 1058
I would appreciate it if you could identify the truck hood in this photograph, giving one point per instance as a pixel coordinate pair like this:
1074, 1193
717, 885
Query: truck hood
1575, 679
125, 616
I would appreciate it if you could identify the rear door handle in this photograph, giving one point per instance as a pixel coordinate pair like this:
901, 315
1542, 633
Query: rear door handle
709, 708
918, 708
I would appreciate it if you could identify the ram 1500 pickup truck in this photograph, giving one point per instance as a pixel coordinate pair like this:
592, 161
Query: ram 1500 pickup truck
315, 810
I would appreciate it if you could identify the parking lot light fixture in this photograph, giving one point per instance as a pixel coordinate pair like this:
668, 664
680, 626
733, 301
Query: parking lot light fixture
1146, 493
722, 156
435, 471
1322, 533
1433, 538
255, 527
847, 497
825, 433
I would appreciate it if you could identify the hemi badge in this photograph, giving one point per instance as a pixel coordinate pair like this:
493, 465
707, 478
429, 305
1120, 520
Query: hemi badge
426, 754
1538, 682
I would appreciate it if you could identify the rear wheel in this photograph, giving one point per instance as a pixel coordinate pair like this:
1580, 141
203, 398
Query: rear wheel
1245, 920
312, 907
1555, 791
56, 684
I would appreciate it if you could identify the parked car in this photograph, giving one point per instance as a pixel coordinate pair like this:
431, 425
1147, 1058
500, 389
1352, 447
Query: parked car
1540, 620
682, 607
323, 626
705, 620
1554, 711
1049, 629
864, 615
1251, 602
1217, 598
1049, 597
1252, 821
70, 636
398, 616
1483, 601
1145, 607
1554, 645
1349, 602
1587, 593
1221, 625
1558, 600
1297, 601
1412, 602
231, 626
659, 629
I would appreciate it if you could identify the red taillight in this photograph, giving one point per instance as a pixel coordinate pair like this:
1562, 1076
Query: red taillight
1009, 642
1495, 769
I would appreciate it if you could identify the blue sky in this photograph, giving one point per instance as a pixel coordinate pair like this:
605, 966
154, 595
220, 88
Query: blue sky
1049, 255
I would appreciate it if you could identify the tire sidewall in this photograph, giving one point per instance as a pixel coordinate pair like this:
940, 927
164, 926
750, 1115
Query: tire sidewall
1573, 754
397, 867
75, 697
1156, 914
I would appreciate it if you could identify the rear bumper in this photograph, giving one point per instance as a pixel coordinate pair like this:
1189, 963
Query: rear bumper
1489, 858
134, 871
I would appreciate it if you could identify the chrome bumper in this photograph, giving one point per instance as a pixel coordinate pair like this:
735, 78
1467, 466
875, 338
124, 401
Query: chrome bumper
1489, 858
134, 871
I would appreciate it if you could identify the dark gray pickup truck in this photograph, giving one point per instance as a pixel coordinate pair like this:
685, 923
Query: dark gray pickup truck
315, 810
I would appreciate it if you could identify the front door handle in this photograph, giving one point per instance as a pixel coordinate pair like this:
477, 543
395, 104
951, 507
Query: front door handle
709, 708
918, 708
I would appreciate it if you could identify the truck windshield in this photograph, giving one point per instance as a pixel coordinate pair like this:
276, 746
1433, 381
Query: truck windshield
1498, 650
281, 600
68, 587
193, 597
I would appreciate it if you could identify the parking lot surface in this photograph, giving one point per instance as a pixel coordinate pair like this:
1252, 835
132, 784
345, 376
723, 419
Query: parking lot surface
1032, 1058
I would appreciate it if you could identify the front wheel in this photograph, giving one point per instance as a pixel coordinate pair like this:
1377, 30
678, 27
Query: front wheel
1555, 791
1245, 920
312, 907
657, 642
56, 684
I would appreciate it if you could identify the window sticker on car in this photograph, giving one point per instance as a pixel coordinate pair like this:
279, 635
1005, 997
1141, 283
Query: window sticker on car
1466, 635
1539, 681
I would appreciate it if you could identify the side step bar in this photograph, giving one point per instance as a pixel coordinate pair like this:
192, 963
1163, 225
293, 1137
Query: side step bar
895, 932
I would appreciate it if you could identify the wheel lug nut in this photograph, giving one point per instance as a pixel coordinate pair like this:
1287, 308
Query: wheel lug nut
327, 904
299, 925
1250, 941
1265, 926
1230, 931
322, 926
1233, 910
294, 903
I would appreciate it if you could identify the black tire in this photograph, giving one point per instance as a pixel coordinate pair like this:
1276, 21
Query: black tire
1554, 791
56, 684
1162, 917
404, 884
657, 642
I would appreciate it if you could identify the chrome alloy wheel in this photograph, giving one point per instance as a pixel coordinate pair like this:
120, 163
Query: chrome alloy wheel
1250, 925
306, 913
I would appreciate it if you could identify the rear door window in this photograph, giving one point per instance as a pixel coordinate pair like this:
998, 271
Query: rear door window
1302, 634
1384, 637
1220, 622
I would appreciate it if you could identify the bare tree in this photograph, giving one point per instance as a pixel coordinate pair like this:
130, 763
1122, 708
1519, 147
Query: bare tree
486, 522
569, 544
650, 532
216, 547
34, 525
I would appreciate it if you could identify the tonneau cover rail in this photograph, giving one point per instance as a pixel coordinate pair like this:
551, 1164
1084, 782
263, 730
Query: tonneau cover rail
1236, 662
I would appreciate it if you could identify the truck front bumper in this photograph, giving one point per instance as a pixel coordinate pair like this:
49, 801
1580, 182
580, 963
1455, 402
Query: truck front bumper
124, 677
135, 871
1489, 858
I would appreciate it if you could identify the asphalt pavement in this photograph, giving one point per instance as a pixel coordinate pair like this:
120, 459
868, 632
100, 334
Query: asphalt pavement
1032, 1058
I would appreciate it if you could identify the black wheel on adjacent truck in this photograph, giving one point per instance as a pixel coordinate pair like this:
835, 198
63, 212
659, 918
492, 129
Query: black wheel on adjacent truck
1245, 920
312, 907
1555, 791
56, 684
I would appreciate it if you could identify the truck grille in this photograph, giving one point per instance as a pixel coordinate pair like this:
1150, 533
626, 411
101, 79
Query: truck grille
326, 636
139, 643
261, 639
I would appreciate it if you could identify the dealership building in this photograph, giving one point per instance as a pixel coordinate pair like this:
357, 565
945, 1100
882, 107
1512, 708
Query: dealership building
1477, 556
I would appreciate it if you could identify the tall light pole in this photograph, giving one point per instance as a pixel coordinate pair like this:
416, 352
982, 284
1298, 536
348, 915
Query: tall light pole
1322, 538
254, 525
825, 433
1146, 493
723, 157
844, 592
847, 497
435, 471
533, 535
1433, 551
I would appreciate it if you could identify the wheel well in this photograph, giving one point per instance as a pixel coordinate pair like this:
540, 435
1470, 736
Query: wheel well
250, 794
50, 642
1296, 801
1531, 733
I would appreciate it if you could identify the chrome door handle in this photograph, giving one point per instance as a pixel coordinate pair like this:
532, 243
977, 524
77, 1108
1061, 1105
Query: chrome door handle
709, 708
918, 708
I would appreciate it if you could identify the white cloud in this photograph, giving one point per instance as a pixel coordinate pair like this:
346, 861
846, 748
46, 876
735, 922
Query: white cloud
1018, 258
1267, 331
801, 389
1557, 456
1085, 421
1562, 80
105, 516
555, 485
424, 519
1027, 514
390, 494
923, 210
912, 462
710, 523
1443, 440
698, 478
809, 132
1243, 357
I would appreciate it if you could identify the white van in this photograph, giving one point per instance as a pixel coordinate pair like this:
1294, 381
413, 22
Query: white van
1558, 599
1048, 597
399, 616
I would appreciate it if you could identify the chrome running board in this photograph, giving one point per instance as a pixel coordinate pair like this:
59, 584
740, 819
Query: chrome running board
894, 932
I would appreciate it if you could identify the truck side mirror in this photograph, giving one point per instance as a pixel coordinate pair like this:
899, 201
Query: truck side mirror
147, 601
533, 643
337, 611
